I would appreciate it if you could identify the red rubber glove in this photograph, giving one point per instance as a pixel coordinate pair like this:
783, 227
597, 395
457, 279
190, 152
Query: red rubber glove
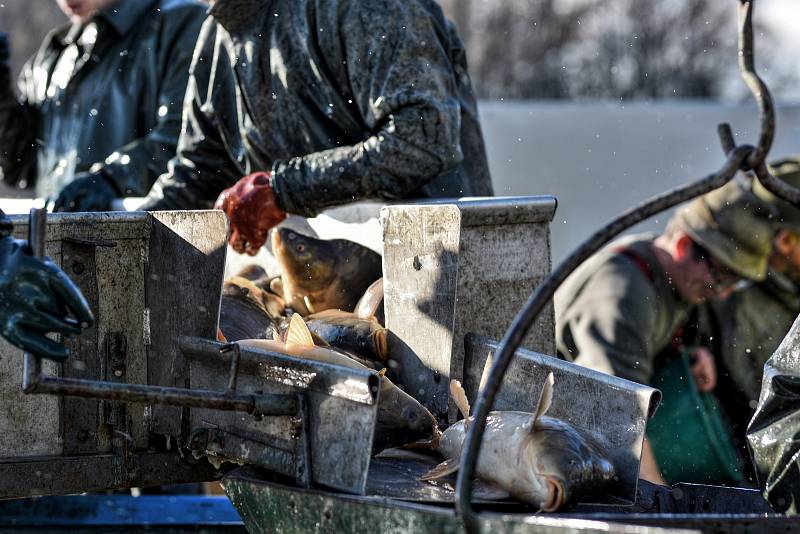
252, 209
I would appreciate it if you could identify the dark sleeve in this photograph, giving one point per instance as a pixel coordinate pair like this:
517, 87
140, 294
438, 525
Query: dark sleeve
399, 71
605, 327
202, 166
18, 126
135, 167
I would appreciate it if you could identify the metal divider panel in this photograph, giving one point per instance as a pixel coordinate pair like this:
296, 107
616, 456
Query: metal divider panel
185, 265
613, 408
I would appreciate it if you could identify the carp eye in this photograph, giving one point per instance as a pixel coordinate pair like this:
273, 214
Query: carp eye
300, 248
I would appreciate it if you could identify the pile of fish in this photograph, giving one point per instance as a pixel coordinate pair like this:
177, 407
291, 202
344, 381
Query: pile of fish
327, 305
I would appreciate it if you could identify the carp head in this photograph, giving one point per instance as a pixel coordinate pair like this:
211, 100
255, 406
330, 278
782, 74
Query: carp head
562, 464
307, 265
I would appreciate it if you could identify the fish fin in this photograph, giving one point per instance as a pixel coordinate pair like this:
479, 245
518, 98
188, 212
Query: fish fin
307, 302
380, 339
318, 341
369, 303
241, 281
273, 304
460, 398
298, 334
221, 336
428, 444
382, 372
445, 468
489, 491
545, 399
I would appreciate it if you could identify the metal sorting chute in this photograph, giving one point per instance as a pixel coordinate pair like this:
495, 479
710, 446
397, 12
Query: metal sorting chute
328, 441
612, 408
147, 380
445, 264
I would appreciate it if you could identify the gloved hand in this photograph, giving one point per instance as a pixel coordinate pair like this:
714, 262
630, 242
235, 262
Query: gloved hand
704, 370
252, 209
87, 192
35, 298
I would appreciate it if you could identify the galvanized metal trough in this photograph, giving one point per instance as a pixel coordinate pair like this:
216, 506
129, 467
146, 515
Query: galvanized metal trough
150, 394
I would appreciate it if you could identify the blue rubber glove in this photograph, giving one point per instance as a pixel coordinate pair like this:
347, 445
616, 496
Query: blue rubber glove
87, 192
36, 297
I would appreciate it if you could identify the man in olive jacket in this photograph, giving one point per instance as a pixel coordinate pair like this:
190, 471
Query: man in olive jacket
329, 101
99, 107
746, 329
625, 304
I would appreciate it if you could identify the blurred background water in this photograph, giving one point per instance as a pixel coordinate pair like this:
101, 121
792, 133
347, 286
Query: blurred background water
602, 104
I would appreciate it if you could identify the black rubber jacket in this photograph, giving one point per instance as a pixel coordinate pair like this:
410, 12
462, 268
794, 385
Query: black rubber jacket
340, 100
105, 96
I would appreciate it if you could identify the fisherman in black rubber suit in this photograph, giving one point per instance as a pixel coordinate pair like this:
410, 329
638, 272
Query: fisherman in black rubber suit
99, 108
320, 103
35, 298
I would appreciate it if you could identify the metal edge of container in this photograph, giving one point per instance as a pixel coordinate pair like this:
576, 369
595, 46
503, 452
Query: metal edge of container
267, 506
479, 211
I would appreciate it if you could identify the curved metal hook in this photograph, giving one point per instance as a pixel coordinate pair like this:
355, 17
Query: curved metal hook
544, 294
756, 85
757, 160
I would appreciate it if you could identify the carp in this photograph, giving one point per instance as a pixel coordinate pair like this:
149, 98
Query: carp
246, 311
401, 418
319, 275
537, 459
351, 333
